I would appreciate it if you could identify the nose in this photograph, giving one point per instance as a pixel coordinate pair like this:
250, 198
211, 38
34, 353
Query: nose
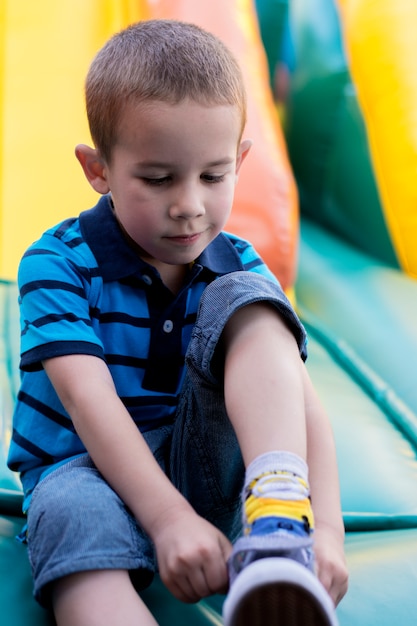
187, 202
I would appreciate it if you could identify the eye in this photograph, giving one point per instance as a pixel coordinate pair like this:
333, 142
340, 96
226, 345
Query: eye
212, 178
156, 182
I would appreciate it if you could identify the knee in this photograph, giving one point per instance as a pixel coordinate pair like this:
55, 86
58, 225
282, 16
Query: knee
256, 322
64, 500
241, 296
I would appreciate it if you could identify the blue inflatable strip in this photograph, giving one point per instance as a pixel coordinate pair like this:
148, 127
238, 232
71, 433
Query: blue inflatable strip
404, 418
363, 522
11, 502
10, 333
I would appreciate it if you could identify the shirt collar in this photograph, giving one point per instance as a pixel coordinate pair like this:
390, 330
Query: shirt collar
117, 260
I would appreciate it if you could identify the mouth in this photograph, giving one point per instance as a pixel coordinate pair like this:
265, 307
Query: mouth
186, 240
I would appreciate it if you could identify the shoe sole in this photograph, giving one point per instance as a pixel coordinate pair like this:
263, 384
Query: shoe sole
278, 592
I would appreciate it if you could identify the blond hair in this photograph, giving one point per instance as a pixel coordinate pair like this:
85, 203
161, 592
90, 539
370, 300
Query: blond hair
162, 60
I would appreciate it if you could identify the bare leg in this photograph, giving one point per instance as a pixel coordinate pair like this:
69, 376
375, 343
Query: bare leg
272, 405
264, 383
99, 598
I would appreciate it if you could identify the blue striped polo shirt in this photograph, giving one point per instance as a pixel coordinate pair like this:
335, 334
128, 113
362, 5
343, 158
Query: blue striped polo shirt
83, 290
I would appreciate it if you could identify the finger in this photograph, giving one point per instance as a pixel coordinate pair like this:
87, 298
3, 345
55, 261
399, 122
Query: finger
217, 575
209, 578
214, 567
335, 583
190, 585
200, 584
226, 547
326, 580
183, 590
340, 589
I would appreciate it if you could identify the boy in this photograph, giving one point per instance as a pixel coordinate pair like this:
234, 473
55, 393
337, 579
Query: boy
163, 396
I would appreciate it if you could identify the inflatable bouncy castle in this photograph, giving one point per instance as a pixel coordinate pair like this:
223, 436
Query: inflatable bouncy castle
329, 198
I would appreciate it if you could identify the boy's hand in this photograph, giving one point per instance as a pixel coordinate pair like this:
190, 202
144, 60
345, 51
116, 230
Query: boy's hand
330, 562
192, 556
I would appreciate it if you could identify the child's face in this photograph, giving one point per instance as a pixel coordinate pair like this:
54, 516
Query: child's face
172, 177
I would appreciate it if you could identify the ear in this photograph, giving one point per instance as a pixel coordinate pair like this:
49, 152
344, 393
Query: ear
94, 168
242, 153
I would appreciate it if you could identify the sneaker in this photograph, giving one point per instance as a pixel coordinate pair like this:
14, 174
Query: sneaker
272, 583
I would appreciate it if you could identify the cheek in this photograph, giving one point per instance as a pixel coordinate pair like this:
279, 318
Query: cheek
137, 224
140, 227
224, 200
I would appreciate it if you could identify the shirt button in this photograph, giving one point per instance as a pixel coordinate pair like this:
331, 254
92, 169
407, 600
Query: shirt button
147, 279
168, 326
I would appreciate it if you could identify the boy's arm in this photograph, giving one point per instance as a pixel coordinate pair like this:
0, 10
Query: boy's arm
191, 552
325, 496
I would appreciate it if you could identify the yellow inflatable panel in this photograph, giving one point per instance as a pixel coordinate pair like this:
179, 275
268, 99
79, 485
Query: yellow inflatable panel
45, 51
381, 45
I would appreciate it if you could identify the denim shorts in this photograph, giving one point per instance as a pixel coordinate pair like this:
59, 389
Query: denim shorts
76, 522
